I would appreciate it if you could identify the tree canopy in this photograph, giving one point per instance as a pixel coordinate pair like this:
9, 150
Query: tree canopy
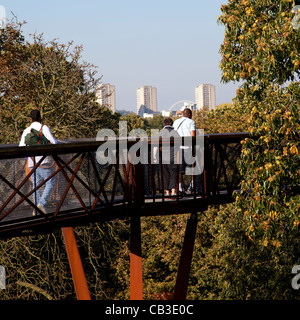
260, 45
51, 77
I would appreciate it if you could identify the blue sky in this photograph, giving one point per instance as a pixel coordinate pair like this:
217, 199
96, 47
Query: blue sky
170, 44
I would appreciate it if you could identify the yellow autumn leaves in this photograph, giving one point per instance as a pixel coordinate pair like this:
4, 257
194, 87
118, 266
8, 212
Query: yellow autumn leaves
258, 33
270, 164
261, 47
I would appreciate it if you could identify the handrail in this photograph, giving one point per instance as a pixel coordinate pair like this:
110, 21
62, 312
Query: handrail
8, 151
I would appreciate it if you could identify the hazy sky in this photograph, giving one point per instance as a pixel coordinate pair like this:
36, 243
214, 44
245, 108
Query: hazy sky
172, 45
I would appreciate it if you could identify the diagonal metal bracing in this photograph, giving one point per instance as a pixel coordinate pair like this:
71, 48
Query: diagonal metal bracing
17, 191
70, 184
114, 186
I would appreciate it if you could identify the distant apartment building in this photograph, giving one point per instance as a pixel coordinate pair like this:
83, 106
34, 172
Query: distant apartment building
205, 97
147, 97
106, 96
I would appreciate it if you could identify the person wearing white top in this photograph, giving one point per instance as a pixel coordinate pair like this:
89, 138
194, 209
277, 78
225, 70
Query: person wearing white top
186, 127
46, 168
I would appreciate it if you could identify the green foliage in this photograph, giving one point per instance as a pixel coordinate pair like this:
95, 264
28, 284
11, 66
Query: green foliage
134, 121
264, 50
154, 123
226, 118
162, 243
162, 239
227, 264
260, 44
270, 165
52, 78
100, 246
257, 242
37, 267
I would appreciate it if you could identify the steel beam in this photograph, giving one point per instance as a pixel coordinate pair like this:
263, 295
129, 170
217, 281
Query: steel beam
79, 279
186, 259
136, 272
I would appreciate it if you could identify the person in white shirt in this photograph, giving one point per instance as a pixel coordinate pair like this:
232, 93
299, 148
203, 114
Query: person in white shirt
46, 168
186, 127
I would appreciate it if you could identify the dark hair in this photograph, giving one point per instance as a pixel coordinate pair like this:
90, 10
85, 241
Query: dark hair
187, 113
35, 115
168, 122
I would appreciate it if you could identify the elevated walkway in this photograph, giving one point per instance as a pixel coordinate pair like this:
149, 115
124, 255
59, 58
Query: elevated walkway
86, 191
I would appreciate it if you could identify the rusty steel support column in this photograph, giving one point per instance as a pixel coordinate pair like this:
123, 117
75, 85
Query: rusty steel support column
136, 272
79, 279
186, 259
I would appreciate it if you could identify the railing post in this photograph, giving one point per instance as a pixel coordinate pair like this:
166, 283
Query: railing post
208, 163
79, 279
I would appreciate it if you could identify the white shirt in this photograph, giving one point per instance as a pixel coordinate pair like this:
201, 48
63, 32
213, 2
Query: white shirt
47, 133
184, 126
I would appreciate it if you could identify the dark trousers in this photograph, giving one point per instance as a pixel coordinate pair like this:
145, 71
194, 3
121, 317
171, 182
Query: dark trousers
170, 176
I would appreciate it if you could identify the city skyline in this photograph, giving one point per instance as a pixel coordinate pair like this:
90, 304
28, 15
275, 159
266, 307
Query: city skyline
205, 98
171, 45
